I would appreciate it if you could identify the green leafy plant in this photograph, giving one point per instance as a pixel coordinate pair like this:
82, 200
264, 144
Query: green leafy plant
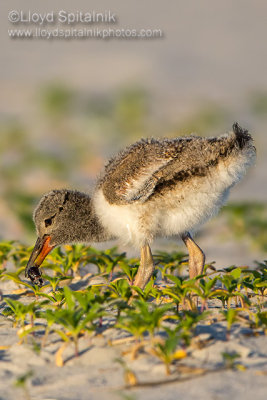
170, 262
161, 319
143, 317
166, 349
22, 382
20, 312
120, 288
76, 319
230, 361
231, 316
180, 291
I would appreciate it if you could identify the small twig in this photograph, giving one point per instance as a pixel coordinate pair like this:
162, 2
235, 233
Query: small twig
200, 372
122, 340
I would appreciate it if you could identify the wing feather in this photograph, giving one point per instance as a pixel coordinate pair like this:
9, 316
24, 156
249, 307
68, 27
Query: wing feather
133, 175
151, 166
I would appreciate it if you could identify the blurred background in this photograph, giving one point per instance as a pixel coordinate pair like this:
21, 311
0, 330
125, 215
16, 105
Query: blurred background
67, 105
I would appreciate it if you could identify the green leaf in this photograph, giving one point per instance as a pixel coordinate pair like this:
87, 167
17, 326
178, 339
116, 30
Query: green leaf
69, 298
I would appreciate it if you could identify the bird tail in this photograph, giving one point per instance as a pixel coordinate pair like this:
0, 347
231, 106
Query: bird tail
242, 136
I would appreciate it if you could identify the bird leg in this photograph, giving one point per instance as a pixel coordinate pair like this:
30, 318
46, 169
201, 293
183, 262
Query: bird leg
146, 267
196, 256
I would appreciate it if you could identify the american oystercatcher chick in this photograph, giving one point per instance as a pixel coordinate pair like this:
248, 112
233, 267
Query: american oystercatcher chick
154, 188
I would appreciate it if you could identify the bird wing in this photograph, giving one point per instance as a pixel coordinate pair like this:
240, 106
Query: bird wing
133, 175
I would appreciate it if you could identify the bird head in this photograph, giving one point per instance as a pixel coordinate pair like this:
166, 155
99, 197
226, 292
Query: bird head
55, 219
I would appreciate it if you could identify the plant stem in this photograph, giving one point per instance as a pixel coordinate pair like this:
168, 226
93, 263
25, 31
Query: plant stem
76, 346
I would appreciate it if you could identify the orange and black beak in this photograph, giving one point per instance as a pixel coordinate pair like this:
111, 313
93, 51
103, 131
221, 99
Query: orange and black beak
41, 249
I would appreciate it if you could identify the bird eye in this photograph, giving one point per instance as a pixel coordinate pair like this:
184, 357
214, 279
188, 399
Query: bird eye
48, 222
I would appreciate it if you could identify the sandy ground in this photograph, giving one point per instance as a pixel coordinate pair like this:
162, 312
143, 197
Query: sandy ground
96, 374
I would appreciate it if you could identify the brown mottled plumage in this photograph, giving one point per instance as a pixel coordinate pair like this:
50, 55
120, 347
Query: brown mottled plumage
168, 161
153, 188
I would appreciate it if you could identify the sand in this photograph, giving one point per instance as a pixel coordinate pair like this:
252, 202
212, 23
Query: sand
96, 373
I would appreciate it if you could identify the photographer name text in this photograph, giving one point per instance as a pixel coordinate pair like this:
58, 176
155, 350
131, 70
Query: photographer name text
62, 17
